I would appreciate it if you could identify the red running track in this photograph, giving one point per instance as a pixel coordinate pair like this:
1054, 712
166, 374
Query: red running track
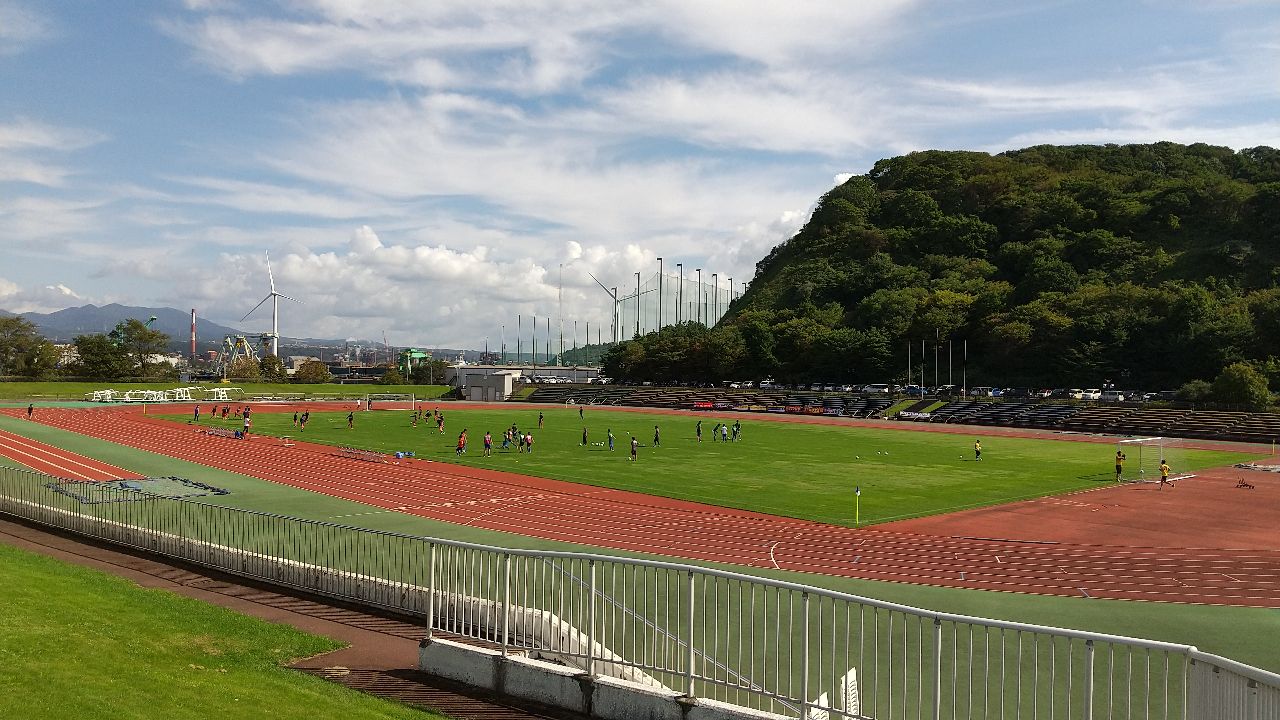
56, 461
976, 554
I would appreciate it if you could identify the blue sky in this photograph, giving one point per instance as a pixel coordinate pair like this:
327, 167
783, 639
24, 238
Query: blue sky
427, 168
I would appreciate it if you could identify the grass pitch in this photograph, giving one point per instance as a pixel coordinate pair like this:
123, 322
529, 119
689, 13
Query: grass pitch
796, 470
79, 643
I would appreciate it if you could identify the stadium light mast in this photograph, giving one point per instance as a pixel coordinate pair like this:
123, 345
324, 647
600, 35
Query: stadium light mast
637, 304
698, 298
715, 296
730, 292
660, 318
679, 290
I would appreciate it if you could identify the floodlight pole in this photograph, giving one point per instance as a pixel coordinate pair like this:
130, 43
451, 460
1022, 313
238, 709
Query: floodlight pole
548, 341
660, 318
637, 304
699, 296
679, 290
715, 298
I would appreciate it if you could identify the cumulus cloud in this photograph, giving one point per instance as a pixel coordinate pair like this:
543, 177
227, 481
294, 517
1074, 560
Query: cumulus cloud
21, 299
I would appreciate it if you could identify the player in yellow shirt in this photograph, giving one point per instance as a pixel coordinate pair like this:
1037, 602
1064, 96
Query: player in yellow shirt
1164, 474
977, 450
1120, 458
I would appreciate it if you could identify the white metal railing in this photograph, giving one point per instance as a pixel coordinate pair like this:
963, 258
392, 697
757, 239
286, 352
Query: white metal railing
770, 645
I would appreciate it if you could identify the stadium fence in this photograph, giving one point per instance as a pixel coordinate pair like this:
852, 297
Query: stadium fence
768, 645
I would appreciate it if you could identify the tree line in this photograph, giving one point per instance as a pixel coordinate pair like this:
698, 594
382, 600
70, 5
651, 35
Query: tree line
1153, 266
130, 353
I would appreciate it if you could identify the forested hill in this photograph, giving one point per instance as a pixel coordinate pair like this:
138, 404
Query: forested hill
1147, 264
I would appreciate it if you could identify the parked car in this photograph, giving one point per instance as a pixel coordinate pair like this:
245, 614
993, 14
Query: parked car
1075, 394
947, 390
1091, 394
1017, 392
1111, 396
913, 391
981, 391
876, 389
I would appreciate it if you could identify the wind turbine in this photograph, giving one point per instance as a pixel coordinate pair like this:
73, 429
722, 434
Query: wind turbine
274, 297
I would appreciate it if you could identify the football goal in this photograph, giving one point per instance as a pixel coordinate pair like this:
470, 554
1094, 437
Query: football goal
390, 401
1142, 458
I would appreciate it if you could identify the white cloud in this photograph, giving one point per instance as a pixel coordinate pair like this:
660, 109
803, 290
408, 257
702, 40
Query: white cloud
21, 27
19, 299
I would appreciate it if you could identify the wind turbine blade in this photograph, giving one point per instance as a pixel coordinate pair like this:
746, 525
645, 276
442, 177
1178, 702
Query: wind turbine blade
286, 297
602, 287
270, 277
255, 307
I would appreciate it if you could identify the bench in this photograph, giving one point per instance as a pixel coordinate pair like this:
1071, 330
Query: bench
358, 454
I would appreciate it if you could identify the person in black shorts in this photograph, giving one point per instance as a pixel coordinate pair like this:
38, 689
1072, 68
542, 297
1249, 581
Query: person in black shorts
656, 442
31, 407
635, 448
351, 420
1120, 458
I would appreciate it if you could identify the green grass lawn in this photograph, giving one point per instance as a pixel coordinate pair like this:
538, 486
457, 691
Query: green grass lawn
77, 643
797, 470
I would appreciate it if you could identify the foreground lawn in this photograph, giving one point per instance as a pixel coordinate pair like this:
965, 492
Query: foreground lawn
792, 469
78, 643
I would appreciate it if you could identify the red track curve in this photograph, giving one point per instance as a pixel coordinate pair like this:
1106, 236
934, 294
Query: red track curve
971, 554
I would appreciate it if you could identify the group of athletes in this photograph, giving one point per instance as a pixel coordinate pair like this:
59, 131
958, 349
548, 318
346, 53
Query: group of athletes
523, 440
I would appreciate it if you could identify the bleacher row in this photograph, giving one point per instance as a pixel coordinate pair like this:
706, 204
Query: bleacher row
1069, 417
810, 403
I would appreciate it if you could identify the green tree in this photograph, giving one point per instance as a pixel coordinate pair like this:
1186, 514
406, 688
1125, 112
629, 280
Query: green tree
1242, 384
312, 372
429, 372
98, 358
140, 343
23, 351
244, 369
271, 369
391, 376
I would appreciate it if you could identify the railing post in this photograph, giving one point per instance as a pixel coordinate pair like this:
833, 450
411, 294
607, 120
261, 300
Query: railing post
937, 668
431, 589
688, 668
804, 658
506, 601
1088, 681
591, 622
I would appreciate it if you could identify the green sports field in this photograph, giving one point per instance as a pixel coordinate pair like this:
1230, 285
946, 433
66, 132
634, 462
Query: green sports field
1246, 634
801, 470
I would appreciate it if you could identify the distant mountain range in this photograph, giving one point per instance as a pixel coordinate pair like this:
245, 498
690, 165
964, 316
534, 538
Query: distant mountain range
62, 326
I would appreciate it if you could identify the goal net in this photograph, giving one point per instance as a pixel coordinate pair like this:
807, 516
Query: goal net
390, 401
1142, 457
